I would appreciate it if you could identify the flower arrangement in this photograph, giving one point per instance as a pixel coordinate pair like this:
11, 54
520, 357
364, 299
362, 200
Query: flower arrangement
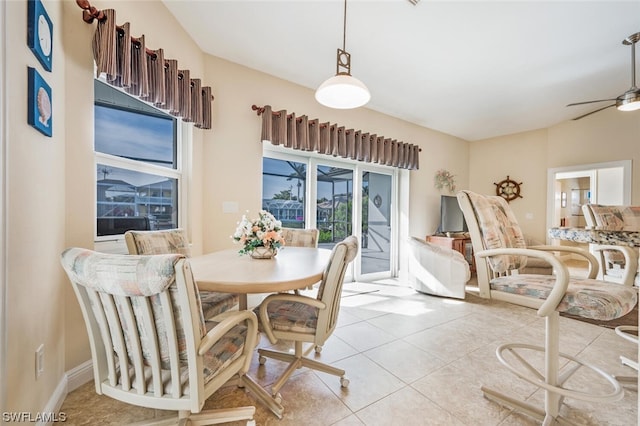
444, 178
265, 231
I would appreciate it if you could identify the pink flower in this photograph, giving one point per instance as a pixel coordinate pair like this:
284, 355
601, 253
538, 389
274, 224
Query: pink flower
270, 236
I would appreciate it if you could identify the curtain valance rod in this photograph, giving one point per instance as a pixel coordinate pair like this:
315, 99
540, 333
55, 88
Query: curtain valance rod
305, 134
91, 13
128, 64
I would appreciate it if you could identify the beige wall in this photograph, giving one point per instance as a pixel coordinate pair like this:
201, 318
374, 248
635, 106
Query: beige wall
522, 157
51, 191
609, 135
50, 180
233, 151
50, 196
35, 222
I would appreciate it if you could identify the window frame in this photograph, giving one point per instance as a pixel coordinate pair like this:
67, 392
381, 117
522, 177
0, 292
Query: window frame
183, 136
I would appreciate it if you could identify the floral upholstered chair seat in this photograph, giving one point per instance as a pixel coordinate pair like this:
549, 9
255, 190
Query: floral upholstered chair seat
584, 297
287, 315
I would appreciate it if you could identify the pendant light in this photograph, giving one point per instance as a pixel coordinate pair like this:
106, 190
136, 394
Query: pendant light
343, 91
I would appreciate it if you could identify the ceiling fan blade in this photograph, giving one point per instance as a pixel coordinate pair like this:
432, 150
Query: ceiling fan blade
593, 112
590, 102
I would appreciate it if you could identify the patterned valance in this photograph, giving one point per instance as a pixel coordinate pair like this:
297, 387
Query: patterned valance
126, 62
306, 134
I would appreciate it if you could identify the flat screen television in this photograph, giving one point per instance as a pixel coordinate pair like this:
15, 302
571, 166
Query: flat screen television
451, 216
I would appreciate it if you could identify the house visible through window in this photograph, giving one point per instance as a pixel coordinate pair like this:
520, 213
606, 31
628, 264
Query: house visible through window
284, 184
137, 170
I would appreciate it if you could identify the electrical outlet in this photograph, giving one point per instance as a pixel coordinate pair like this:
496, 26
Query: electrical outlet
40, 360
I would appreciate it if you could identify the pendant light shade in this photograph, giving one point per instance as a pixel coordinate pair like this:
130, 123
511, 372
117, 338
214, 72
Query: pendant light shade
343, 91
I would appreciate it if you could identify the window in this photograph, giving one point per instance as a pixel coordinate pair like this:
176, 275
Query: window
284, 184
137, 169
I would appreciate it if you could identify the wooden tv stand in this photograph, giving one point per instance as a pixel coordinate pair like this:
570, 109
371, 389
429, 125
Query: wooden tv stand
460, 243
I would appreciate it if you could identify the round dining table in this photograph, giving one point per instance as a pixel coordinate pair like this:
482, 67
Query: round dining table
228, 271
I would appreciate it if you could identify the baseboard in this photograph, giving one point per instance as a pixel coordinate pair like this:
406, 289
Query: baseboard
70, 381
79, 375
55, 402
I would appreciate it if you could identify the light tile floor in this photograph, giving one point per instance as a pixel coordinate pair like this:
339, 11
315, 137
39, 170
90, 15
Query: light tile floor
412, 359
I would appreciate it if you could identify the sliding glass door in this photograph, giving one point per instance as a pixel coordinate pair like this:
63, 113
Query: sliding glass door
334, 204
375, 223
339, 198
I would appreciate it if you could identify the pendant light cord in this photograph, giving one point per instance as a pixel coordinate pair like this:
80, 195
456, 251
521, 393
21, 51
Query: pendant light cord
344, 29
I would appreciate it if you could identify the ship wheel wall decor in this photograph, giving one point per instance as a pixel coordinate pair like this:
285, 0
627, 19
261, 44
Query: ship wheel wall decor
508, 189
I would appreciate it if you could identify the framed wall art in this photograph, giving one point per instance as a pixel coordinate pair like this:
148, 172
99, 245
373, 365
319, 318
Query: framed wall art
40, 112
40, 33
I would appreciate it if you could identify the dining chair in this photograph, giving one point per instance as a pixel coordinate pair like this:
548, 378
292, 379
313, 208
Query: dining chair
304, 319
617, 263
297, 237
168, 241
150, 345
500, 250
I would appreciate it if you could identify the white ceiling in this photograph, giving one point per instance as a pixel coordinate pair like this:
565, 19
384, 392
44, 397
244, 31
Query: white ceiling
472, 69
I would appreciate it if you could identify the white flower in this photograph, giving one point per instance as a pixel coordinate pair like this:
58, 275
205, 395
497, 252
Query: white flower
264, 231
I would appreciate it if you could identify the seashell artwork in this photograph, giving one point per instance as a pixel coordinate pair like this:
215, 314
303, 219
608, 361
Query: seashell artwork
40, 111
44, 106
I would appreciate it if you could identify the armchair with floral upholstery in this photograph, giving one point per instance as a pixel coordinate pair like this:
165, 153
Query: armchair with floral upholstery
150, 344
617, 263
303, 319
500, 250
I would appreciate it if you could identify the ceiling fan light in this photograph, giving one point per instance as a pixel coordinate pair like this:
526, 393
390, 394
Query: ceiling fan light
632, 106
343, 91
630, 101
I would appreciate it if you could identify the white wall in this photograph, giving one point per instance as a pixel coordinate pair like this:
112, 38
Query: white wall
609, 189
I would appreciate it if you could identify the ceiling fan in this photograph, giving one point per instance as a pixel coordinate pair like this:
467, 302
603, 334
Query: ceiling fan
629, 100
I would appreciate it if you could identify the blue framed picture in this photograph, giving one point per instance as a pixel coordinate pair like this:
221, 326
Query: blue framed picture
40, 33
40, 111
